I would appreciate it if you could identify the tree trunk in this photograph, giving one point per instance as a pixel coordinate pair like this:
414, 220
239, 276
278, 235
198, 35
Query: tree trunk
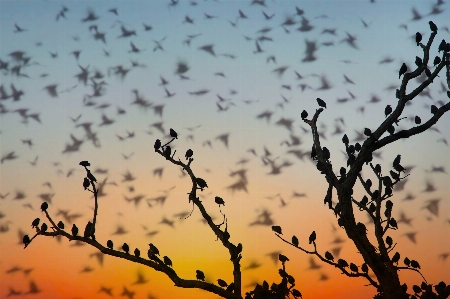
382, 267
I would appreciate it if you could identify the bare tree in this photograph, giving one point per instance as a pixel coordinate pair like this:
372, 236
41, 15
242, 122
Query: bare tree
379, 257
376, 204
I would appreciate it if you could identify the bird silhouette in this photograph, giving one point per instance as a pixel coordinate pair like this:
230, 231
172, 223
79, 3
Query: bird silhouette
411, 236
311, 48
127, 293
33, 288
140, 279
200, 275
208, 49
433, 206
313, 265
107, 291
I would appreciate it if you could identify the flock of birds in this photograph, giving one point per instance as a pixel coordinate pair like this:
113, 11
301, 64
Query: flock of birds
94, 81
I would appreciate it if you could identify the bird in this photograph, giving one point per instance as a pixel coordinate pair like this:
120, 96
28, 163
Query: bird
110, 244
411, 236
125, 248
20, 29
433, 26
433, 206
321, 103
35, 223
218, 200
140, 279
403, 70
26, 240
9, 156
387, 110
60, 225
223, 138
208, 48
312, 237
242, 15
313, 265
201, 183
396, 257
277, 229
137, 252
33, 288
282, 258
258, 48
267, 17
153, 250
167, 261
200, 275
74, 230
107, 291
127, 293
342, 263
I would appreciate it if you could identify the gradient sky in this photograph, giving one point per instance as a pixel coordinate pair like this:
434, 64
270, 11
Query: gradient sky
250, 86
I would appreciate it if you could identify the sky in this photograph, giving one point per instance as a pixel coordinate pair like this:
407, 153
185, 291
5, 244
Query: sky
233, 87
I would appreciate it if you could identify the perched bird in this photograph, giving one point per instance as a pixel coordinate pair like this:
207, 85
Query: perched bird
415, 264
26, 240
277, 229
437, 60
153, 250
219, 201
35, 223
387, 110
167, 152
200, 275
137, 252
88, 231
353, 267
403, 70
109, 244
312, 237
60, 225
173, 134
396, 258
222, 283
342, 263
283, 258
329, 256
125, 248
74, 230
44, 206
418, 38
86, 183
189, 154
295, 241
418, 61
304, 114
167, 261
321, 103
433, 26
157, 144
364, 268
326, 153
434, 109
201, 183
406, 261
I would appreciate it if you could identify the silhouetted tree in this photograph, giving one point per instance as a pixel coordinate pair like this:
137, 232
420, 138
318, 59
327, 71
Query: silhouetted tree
380, 259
